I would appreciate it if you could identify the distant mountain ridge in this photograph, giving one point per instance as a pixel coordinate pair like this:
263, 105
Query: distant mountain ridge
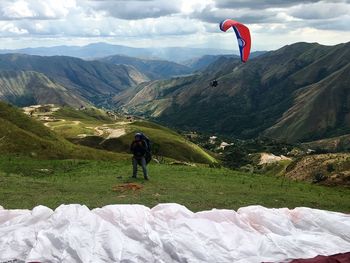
200, 63
99, 50
300, 92
153, 69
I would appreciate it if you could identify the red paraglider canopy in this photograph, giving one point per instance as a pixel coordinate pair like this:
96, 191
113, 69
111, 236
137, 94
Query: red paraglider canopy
338, 258
242, 34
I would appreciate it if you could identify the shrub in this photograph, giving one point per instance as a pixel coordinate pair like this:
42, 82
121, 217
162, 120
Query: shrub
318, 177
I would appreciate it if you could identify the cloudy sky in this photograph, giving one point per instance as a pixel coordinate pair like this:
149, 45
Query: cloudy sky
144, 23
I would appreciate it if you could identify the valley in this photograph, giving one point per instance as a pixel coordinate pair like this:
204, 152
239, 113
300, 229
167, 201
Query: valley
279, 95
174, 131
253, 130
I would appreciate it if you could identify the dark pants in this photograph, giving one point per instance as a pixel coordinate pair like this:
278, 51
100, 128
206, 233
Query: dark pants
135, 161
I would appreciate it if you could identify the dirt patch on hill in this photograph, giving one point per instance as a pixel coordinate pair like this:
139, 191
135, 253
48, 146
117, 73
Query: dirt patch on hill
268, 158
116, 133
109, 133
127, 187
328, 169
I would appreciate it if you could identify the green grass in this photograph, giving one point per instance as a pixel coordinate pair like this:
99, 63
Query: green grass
70, 129
22, 135
91, 115
275, 169
167, 142
24, 185
15, 117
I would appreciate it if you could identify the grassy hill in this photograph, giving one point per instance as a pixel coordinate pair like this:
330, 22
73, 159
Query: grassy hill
297, 93
328, 169
96, 178
21, 135
95, 128
166, 143
27, 183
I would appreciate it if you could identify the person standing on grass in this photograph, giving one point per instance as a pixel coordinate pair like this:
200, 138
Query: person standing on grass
139, 150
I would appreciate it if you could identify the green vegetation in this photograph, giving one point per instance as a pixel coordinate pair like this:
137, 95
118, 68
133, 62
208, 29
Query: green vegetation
330, 145
26, 183
280, 95
70, 129
165, 143
92, 115
24, 136
244, 154
94, 128
327, 169
38, 167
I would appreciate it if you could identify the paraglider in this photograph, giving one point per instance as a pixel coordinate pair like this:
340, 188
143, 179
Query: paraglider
242, 34
214, 83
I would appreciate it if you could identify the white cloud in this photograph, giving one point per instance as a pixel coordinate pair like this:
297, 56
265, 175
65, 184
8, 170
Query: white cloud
273, 23
35, 9
10, 29
322, 10
188, 7
17, 9
136, 9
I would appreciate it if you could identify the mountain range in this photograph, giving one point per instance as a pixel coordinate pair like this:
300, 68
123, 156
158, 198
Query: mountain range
300, 92
31, 79
25, 88
153, 69
84, 81
200, 63
100, 50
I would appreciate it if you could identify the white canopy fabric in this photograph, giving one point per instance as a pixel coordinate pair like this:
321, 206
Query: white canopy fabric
170, 233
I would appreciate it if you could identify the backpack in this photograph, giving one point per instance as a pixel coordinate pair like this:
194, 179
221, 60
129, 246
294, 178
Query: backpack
148, 143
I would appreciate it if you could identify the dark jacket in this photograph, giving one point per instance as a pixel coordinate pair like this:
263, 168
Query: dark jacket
138, 148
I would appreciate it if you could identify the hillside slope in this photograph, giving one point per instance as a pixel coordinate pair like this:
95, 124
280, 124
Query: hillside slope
297, 93
102, 130
153, 69
328, 169
29, 87
92, 80
333, 144
22, 135
200, 63
320, 110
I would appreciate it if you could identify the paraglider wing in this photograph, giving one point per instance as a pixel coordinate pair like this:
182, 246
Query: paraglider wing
242, 34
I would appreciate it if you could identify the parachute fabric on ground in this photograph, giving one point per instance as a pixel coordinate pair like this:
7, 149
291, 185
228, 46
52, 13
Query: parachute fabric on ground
242, 34
170, 233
